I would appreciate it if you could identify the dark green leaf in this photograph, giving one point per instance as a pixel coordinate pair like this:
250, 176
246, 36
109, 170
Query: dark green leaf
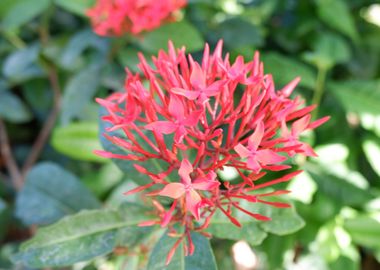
78, 7
78, 141
285, 69
237, 33
49, 193
336, 14
83, 236
203, 257
81, 41
329, 50
181, 33
78, 92
13, 109
23, 12
21, 65
357, 95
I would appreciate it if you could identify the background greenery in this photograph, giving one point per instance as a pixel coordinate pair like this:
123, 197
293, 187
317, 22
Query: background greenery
52, 67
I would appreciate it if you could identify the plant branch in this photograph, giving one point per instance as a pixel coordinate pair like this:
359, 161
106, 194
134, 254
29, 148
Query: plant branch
10, 163
54, 83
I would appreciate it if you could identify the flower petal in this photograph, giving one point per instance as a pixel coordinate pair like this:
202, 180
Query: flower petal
184, 171
255, 139
193, 200
189, 94
173, 190
242, 150
176, 107
267, 156
164, 127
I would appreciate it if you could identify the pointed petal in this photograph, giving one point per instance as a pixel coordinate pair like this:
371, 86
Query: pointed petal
173, 190
253, 164
214, 89
197, 77
189, 94
193, 118
164, 127
255, 139
267, 156
242, 150
300, 125
206, 183
176, 107
288, 89
184, 171
193, 200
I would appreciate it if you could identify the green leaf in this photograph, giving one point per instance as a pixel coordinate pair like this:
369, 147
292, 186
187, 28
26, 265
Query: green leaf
336, 14
283, 221
78, 92
328, 50
23, 12
358, 95
78, 7
4, 218
83, 236
13, 109
364, 231
78, 141
285, 69
221, 227
49, 193
79, 42
21, 64
203, 257
181, 33
338, 189
125, 166
237, 33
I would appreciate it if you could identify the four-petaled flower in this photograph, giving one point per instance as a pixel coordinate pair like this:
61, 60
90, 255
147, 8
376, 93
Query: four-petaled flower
256, 158
187, 188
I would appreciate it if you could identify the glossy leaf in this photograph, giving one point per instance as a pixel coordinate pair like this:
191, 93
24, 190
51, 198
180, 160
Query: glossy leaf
83, 236
284, 69
340, 190
78, 141
358, 95
12, 108
21, 64
23, 12
203, 257
49, 193
181, 33
78, 92
364, 231
78, 7
336, 14
328, 50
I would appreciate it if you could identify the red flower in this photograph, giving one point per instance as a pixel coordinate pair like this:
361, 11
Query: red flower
188, 188
197, 118
116, 17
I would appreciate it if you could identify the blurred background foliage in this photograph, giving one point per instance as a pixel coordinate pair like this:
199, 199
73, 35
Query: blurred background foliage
53, 65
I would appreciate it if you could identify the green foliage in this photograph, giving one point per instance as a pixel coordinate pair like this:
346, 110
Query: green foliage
333, 45
55, 192
78, 141
202, 258
181, 34
83, 236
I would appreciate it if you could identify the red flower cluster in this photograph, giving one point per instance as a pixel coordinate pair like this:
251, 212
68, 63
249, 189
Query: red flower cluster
116, 17
194, 119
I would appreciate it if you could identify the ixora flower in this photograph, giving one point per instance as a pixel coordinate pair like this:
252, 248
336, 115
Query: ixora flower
117, 17
192, 119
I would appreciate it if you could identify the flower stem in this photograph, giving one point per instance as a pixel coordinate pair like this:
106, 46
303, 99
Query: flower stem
319, 89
